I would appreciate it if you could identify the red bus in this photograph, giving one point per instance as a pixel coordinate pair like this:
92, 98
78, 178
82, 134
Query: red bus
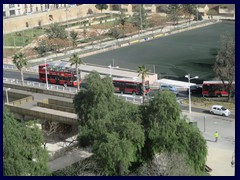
129, 86
58, 75
215, 88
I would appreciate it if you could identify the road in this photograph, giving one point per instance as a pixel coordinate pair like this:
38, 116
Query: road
34, 77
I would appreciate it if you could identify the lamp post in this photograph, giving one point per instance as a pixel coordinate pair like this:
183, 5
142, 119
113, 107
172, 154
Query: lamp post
7, 95
46, 73
111, 67
189, 90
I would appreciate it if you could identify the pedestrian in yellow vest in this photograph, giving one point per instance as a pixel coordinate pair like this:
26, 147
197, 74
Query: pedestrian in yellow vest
216, 136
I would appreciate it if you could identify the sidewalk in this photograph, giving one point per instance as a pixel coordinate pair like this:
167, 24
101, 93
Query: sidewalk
219, 153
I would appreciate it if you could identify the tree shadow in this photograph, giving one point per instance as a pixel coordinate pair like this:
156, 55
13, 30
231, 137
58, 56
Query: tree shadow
210, 140
206, 111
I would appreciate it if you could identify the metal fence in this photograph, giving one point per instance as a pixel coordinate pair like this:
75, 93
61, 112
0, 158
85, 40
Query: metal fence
40, 85
129, 98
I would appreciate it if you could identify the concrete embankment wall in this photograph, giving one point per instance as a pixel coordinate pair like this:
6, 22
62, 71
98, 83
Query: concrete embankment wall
30, 114
38, 90
57, 105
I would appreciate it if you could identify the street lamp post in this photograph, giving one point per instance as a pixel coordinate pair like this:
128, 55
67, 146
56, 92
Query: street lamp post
7, 95
46, 73
111, 67
189, 90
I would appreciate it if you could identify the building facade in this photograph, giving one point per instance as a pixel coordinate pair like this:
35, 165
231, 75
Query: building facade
10, 10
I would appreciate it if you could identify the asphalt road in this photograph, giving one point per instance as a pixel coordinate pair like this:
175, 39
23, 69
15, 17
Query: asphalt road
34, 77
17, 75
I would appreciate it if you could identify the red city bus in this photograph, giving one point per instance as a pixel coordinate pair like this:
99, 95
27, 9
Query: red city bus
58, 75
129, 86
215, 88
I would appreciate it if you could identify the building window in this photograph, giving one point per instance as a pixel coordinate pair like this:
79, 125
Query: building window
25, 6
27, 25
4, 14
12, 12
11, 5
18, 5
41, 8
36, 9
31, 9
19, 12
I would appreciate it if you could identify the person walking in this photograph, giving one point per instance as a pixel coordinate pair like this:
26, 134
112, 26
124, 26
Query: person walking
216, 136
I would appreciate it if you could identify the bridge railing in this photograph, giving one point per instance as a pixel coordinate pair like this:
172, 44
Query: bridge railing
13, 67
40, 85
129, 98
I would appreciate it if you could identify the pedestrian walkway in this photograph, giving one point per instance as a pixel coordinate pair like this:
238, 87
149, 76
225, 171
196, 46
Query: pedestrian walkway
219, 153
68, 159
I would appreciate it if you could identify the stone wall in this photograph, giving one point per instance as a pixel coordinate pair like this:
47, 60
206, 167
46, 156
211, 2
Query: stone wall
59, 15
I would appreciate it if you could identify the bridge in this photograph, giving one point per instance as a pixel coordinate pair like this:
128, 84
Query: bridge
54, 104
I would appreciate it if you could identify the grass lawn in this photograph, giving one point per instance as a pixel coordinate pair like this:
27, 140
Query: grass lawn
21, 38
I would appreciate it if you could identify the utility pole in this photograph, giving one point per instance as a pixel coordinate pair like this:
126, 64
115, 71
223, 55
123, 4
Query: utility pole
197, 12
67, 20
141, 18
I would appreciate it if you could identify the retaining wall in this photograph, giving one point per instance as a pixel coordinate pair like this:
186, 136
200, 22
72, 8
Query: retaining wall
38, 90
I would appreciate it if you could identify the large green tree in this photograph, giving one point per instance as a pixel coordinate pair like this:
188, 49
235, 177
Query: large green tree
167, 132
75, 60
101, 6
224, 66
23, 153
19, 60
110, 125
142, 72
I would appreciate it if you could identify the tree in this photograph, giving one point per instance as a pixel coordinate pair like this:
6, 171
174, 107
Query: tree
167, 132
115, 32
166, 164
19, 60
174, 12
224, 66
73, 36
22, 151
113, 129
75, 60
139, 18
43, 47
142, 70
189, 10
101, 6
122, 18
56, 31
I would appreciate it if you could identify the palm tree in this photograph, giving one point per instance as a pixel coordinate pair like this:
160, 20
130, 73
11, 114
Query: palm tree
142, 70
75, 60
20, 62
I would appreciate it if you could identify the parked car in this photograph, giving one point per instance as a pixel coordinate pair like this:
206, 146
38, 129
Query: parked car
168, 88
220, 110
195, 89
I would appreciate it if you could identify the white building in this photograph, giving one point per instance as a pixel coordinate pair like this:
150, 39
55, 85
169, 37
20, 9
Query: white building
27, 9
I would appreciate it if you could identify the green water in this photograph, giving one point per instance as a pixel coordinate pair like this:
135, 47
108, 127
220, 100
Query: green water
175, 55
